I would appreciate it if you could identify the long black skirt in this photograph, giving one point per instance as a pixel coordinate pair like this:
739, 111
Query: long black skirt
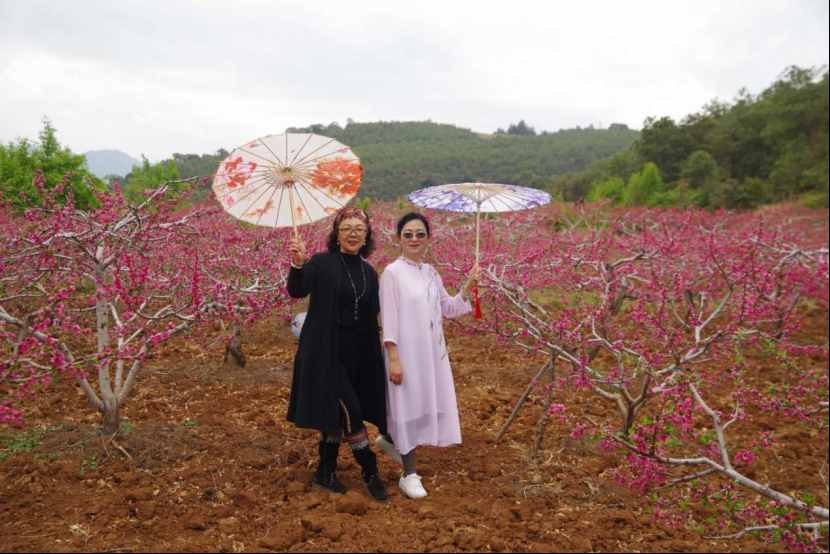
361, 390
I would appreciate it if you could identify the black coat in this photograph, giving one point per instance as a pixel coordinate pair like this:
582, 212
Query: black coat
317, 369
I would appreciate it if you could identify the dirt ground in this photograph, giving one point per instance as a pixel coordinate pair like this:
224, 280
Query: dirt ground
206, 462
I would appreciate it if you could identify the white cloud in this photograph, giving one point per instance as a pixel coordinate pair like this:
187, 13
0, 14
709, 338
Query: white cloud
159, 77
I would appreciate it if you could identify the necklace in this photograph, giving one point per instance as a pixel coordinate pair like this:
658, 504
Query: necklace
354, 288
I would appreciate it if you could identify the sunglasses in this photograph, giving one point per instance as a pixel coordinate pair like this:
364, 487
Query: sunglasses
409, 235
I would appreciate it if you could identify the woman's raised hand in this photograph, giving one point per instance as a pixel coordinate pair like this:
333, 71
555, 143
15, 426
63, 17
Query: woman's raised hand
296, 247
475, 275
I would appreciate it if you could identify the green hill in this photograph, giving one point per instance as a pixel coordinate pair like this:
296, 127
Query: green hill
757, 149
399, 157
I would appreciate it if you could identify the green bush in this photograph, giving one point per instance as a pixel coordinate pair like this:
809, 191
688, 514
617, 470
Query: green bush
611, 189
815, 199
643, 187
741, 195
21, 161
150, 176
681, 196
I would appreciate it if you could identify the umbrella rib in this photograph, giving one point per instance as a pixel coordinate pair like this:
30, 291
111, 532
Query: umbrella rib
294, 159
529, 191
521, 198
305, 208
263, 171
463, 197
310, 190
486, 195
247, 193
279, 206
262, 213
253, 190
256, 155
495, 198
301, 161
255, 201
335, 200
279, 161
514, 195
311, 163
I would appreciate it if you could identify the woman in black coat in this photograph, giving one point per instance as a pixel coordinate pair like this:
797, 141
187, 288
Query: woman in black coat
339, 374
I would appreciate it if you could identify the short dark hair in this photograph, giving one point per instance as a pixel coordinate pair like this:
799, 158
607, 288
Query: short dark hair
333, 245
410, 217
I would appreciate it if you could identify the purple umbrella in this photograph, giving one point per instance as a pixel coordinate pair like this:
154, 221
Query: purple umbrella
479, 197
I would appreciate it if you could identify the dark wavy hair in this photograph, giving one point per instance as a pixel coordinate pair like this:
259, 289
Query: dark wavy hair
332, 244
410, 217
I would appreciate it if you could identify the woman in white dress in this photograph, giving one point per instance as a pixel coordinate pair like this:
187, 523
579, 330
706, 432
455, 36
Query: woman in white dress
422, 406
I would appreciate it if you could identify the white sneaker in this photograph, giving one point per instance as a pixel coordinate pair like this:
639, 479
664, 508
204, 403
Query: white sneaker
411, 486
389, 448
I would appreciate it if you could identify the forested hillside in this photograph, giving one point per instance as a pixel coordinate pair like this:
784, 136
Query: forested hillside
399, 157
754, 150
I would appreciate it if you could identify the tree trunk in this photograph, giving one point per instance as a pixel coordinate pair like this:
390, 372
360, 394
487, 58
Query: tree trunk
112, 417
542, 424
234, 347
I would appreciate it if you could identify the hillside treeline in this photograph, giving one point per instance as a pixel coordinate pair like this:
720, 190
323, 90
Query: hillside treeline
399, 157
754, 150
751, 151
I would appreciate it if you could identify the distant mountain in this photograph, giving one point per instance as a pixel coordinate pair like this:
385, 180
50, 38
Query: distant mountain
109, 162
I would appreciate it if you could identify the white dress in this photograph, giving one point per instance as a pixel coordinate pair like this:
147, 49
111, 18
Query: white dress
413, 303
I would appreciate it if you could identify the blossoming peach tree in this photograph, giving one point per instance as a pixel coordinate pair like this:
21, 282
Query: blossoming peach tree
91, 293
674, 318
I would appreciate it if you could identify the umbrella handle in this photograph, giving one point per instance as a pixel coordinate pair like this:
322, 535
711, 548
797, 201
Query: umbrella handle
477, 313
476, 303
291, 209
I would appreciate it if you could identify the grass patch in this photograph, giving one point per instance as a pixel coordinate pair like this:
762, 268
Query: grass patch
88, 464
18, 442
556, 298
21, 441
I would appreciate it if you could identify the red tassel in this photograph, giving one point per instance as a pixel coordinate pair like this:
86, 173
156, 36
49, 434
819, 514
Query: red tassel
477, 312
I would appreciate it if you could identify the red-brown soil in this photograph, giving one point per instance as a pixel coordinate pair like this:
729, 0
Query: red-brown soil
207, 462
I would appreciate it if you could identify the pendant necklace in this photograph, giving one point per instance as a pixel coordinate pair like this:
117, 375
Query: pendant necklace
354, 288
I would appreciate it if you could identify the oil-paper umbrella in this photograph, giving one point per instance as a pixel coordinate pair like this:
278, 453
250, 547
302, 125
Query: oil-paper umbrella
287, 180
478, 198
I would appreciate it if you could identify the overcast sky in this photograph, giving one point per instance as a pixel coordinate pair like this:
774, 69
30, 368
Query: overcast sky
158, 77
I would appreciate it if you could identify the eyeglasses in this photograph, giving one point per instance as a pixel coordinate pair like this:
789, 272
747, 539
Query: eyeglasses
352, 230
409, 235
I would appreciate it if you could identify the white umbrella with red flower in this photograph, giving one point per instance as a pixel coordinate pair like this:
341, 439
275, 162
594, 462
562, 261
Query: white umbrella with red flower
287, 180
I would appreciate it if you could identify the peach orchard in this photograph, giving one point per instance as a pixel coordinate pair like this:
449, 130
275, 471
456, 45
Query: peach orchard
653, 312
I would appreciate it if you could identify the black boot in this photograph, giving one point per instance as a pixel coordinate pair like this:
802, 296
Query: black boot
326, 476
368, 461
